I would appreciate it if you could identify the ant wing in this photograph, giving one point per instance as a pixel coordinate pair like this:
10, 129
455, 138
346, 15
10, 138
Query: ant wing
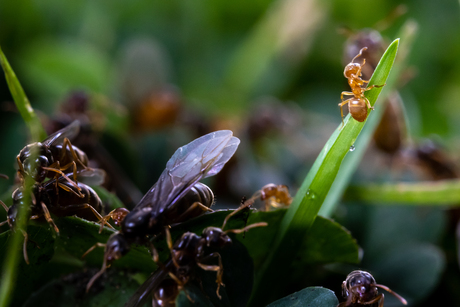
90, 176
58, 137
199, 159
146, 289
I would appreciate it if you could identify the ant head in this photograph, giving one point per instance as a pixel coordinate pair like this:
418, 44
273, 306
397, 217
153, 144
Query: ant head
216, 237
118, 215
166, 293
117, 246
352, 69
360, 285
33, 158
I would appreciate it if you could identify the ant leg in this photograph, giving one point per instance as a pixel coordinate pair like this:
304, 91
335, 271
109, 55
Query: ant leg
170, 246
72, 165
246, 204
92, 248
20, 168
4, 206
372, 86
88, 206
218, 268
24, 247
260, 224
48, 218
63, 175
72, 151
368, 103
67, 189
180, 285
341, 108
346, 93
193, 206
379, 298
98, 274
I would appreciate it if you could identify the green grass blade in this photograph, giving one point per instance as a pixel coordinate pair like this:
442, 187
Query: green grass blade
445, 192
315, 188
14, 248
22, 102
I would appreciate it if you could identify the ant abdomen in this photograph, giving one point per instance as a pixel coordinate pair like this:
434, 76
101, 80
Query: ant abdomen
358, 109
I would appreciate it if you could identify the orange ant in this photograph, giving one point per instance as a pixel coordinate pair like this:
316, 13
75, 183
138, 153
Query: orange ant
274, 196
358, 105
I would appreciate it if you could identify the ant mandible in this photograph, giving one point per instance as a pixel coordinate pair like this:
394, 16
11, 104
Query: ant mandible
358, 105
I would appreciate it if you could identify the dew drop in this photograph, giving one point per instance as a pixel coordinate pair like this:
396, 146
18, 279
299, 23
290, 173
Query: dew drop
352, 148
310, 194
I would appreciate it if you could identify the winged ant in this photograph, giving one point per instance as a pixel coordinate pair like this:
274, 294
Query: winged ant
161, 205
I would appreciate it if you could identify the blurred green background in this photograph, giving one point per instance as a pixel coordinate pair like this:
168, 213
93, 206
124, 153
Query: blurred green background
156, 74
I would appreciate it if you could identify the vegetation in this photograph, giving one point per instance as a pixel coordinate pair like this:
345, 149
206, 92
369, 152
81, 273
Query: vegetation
145, 79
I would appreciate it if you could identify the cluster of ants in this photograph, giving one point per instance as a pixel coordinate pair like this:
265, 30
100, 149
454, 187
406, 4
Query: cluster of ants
62, 176
61, 173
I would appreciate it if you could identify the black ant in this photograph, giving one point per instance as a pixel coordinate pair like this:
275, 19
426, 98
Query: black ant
360, 289
188, 253
43, 200
358, 105
176, 196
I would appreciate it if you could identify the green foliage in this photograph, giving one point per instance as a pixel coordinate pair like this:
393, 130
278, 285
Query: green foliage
221, 60
315, 296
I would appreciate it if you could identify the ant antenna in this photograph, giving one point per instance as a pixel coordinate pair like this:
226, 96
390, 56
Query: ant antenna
399, 297
360, 54
246, 204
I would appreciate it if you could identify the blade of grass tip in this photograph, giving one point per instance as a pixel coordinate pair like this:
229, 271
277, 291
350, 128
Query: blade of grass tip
307, 202
14, 254
352, 161
431, 193
22, 102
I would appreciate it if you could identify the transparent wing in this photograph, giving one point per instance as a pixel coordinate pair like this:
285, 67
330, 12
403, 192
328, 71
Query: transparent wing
58, 137
90, 176
200, 158
146, 289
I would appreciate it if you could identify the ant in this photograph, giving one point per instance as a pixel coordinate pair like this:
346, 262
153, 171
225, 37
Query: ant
274, 196
360, 289
187, 253
43, 200
358, 105
175, 197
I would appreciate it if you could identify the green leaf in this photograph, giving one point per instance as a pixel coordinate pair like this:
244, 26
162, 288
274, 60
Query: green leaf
115, 289
412, 270
327, 241
78, 235
311, 297
40, 249
311, 195
22, 102
445, 192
